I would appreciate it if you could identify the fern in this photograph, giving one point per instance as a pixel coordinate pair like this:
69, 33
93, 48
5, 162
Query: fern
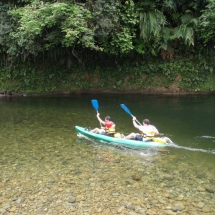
151, 24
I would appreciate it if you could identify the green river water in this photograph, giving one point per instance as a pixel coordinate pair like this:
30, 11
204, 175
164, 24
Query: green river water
46, 168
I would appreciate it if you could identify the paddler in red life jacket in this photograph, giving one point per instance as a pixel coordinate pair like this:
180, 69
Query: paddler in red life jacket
147, 131
109, 128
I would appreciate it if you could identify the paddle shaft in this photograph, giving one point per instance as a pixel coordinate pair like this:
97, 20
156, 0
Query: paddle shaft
129, 112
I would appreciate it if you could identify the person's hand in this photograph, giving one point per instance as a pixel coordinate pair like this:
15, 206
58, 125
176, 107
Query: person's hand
98, 114
134, 118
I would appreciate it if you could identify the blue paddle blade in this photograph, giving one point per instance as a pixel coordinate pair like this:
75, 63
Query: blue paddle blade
126, 109
95, 104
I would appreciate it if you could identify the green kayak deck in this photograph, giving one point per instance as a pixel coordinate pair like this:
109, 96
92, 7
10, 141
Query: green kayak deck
157, 142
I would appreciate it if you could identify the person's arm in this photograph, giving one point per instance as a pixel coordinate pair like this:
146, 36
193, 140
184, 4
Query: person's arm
134, 122
156, 132
100, 120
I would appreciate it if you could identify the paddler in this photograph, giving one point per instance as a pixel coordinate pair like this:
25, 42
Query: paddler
109, 128
146, 130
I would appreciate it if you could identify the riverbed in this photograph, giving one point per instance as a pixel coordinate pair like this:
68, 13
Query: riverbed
47, 168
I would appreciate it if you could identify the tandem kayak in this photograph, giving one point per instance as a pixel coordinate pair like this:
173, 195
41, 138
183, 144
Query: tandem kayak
157, 141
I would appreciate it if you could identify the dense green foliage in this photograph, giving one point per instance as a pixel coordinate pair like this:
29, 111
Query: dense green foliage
30, 28
69, 45
177, 76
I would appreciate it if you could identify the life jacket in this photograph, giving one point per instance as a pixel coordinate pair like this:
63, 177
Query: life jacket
148, 133
147, 136
110, 128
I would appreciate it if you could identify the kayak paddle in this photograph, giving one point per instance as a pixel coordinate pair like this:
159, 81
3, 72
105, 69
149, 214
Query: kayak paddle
129, 112
95, 104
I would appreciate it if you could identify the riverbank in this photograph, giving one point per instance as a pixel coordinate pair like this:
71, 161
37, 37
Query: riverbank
164, 92
180, 77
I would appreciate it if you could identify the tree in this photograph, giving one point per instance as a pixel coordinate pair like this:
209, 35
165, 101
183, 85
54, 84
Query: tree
206, 27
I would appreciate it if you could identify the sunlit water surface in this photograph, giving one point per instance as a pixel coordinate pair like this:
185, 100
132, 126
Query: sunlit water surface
44, 163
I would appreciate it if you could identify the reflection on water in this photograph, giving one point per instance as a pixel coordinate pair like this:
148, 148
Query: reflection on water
46, 168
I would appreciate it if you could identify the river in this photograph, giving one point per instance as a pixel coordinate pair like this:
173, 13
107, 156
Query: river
46, 168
